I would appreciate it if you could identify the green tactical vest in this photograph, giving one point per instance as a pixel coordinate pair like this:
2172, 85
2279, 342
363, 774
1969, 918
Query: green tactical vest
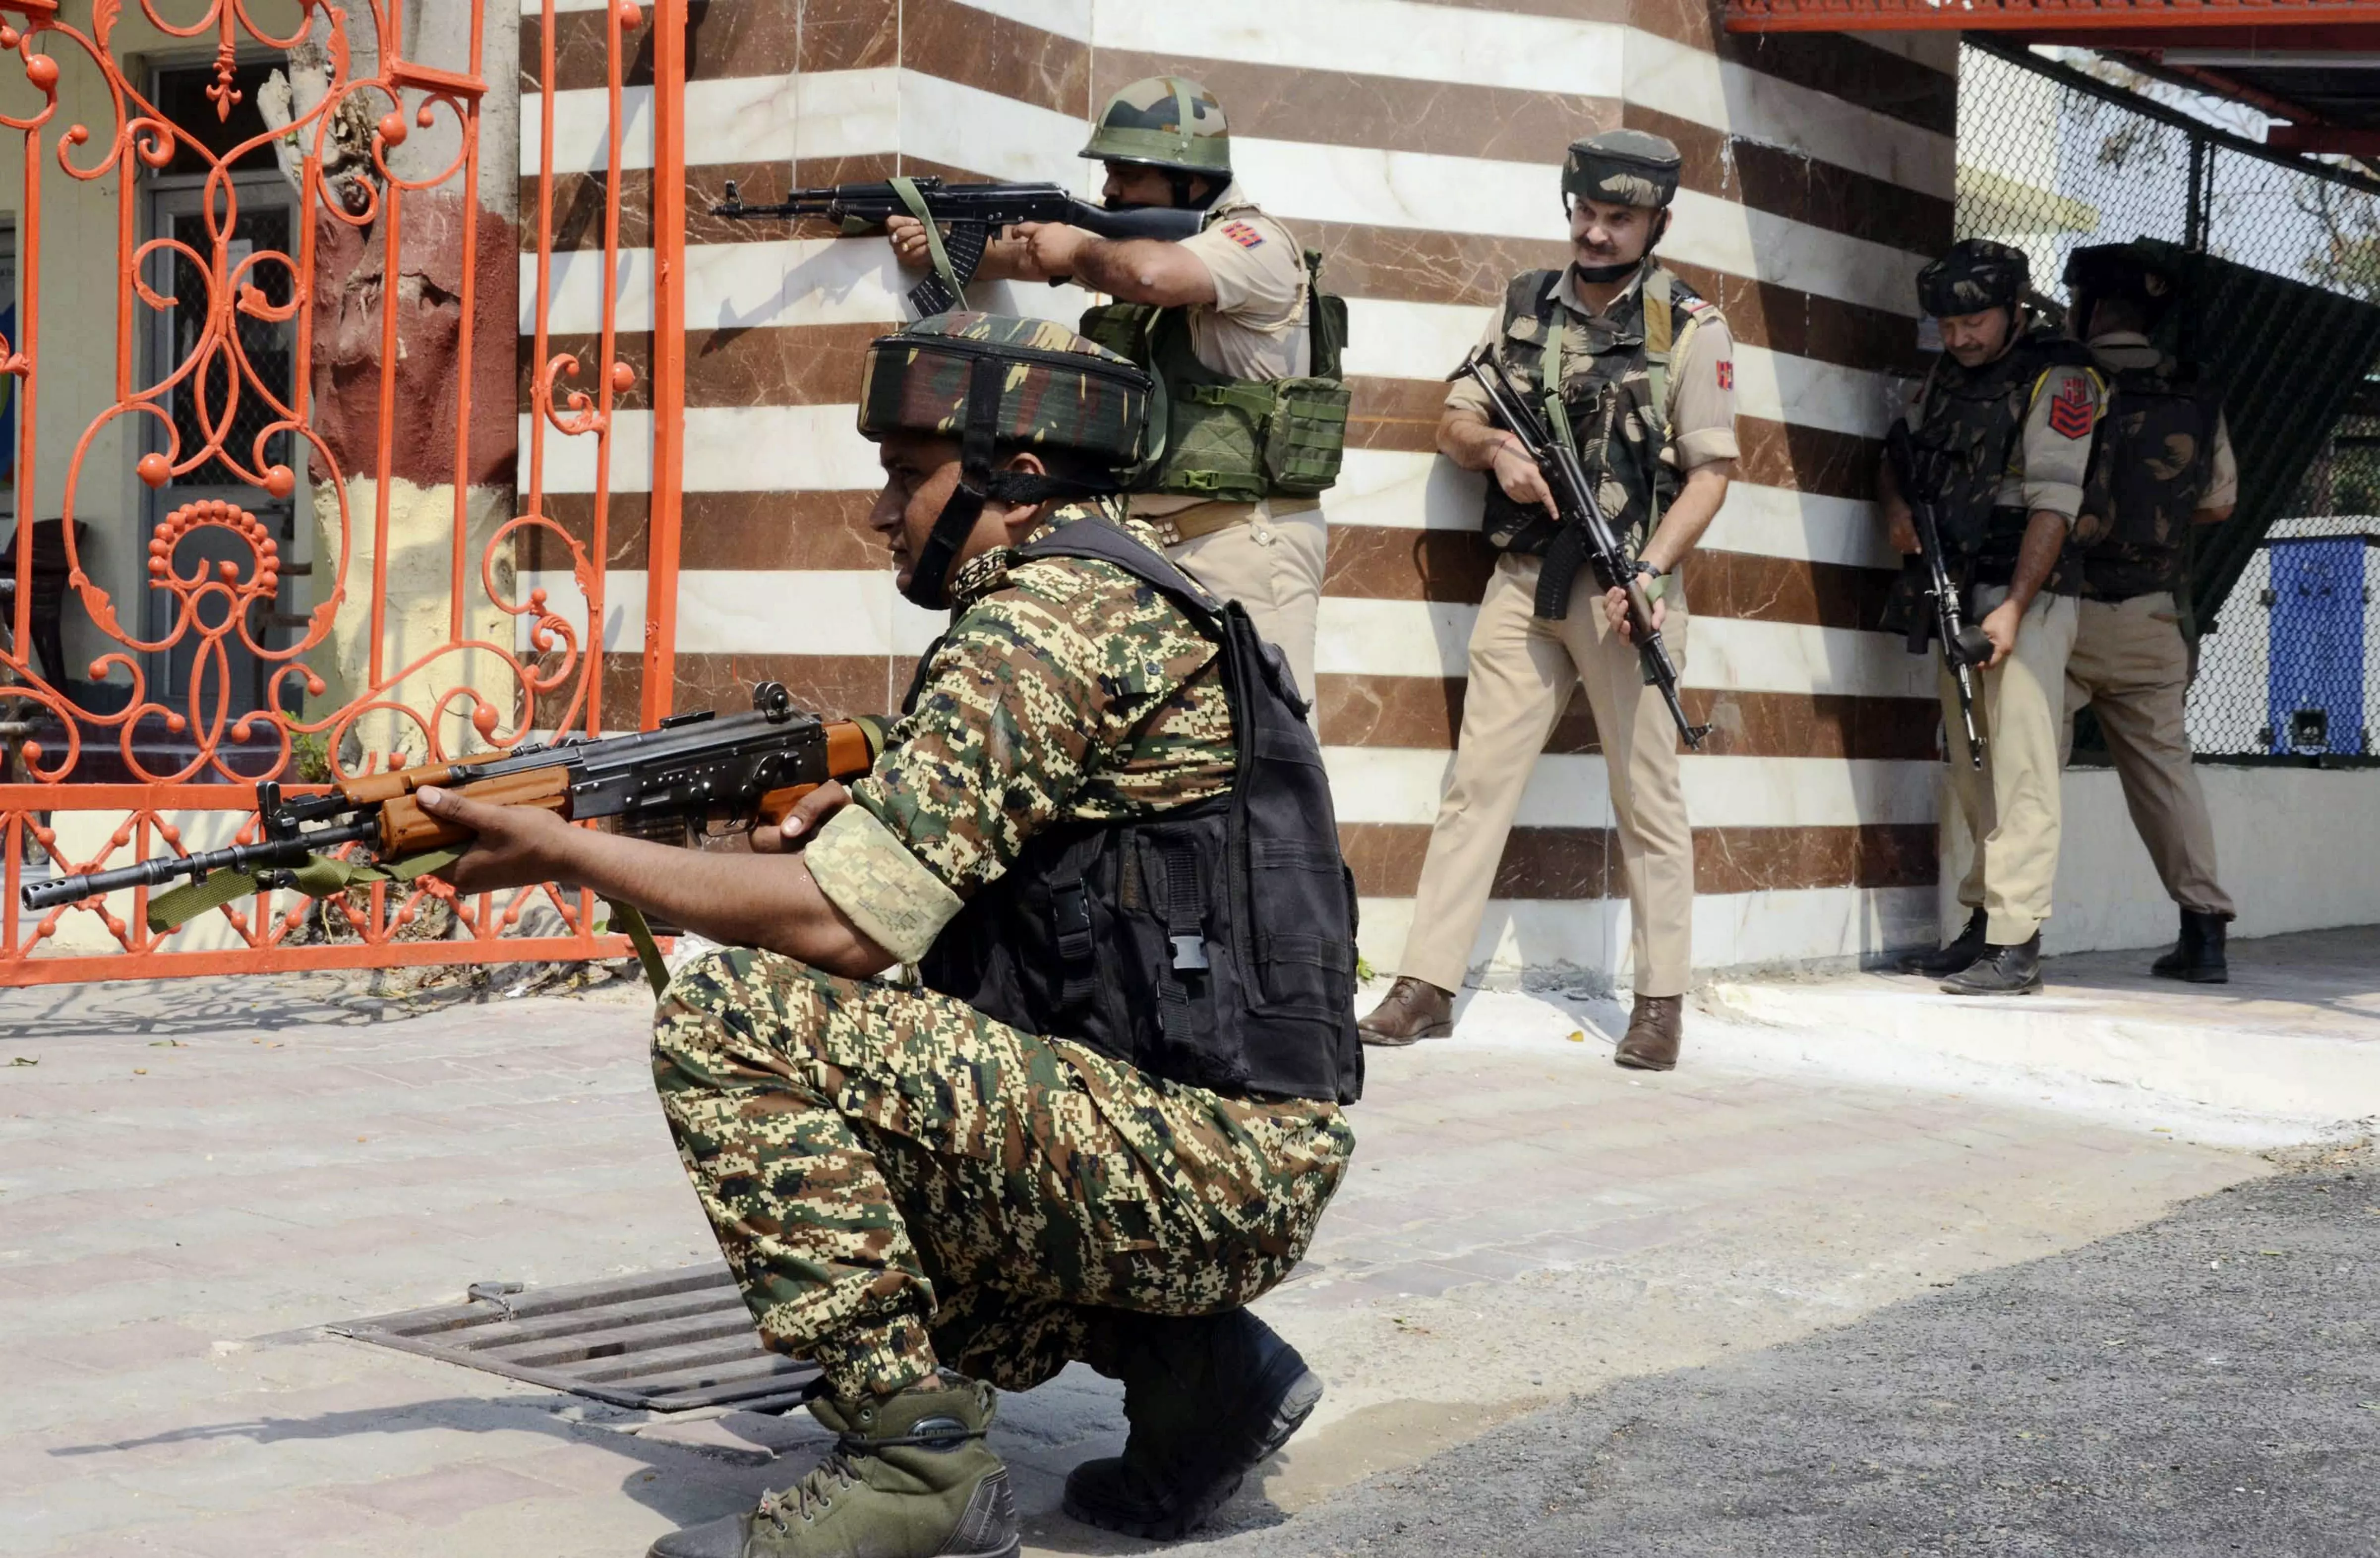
1226, 439
1614, 400
2152, 460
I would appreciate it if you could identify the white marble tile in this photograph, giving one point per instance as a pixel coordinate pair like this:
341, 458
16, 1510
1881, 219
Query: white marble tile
1403, 784
998, 137
728, 449
572, 461
1404, 489
1788, 925
1813, 526
733, 119
574, 298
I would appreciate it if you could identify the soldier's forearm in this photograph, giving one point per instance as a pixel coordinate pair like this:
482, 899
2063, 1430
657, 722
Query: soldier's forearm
1697, 504
2045, 538
1469, 441
1145, 271
742, 900
1006, 259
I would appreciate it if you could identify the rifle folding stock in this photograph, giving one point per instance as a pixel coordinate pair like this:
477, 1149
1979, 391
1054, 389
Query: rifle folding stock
973, 213
693, 771
1585, 537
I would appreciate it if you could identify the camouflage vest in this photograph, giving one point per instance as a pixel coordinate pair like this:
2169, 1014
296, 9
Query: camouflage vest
1974, 419
1615, 375
1235, 440
2152, 461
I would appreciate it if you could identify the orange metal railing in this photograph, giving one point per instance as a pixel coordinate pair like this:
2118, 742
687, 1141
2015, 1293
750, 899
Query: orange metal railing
131, 780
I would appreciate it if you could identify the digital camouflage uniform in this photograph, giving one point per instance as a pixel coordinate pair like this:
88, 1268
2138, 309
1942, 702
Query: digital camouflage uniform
896, 1178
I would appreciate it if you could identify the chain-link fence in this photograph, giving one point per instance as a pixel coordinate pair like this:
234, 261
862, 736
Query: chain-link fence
2057, 155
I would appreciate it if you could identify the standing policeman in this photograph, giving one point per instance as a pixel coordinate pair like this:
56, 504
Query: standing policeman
1243, 343
1109, 1116
2163, 463
2006, 416
1645, 374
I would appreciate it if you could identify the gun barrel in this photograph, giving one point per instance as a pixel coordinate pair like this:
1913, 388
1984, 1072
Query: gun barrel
38, 896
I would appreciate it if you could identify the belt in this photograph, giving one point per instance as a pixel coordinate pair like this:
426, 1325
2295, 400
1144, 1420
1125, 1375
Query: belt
1204, 520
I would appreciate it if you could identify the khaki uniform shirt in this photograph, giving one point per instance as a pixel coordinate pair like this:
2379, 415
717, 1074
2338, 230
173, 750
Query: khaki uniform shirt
2120, 350
1701, 408
1256, 328
1066, 690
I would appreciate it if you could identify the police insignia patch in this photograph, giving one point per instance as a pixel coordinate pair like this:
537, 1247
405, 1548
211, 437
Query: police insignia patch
1241, 234
2070, 410
1727, 375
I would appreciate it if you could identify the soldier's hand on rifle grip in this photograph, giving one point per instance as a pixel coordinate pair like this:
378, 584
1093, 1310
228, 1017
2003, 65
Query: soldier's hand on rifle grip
802, 823
1615, 607
1519, 476
1900, 528
1999, 626
513, 846
908, 236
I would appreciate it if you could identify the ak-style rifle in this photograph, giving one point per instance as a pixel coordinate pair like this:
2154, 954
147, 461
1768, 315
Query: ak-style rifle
973, 212
693, 771
1965, 648
1585, 537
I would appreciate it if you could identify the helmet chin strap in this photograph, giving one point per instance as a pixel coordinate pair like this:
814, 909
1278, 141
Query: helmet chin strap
929, 581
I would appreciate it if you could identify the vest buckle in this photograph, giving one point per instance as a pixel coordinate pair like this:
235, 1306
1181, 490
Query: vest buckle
1190, 951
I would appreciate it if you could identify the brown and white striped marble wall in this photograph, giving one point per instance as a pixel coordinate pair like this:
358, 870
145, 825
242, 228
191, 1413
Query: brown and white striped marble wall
1418, 145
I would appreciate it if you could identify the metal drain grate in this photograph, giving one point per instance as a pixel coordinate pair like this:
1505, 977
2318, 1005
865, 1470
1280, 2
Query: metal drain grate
665, 1341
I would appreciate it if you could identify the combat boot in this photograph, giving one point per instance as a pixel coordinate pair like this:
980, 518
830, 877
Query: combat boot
2001, 970
1652, 1031
2198, 956
1208, 1400
1412, 1009
1964, 948
910, 1476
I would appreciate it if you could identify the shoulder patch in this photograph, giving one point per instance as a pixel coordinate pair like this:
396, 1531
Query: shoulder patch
2070, 411
1243, 233
1726, 374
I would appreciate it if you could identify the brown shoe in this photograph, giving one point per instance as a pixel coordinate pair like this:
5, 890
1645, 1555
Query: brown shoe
1652, 1031
1413, 1009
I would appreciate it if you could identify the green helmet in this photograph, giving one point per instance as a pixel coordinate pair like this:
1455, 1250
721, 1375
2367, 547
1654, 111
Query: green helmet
994, 384
1164, 121
2100, 272
1623, 167
1971, 276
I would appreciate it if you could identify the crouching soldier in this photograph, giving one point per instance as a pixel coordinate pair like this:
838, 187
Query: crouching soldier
1107, 1115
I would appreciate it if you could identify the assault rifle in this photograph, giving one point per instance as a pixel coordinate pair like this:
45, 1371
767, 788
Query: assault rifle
1964, 645
1585, 537
973, 210
693, 771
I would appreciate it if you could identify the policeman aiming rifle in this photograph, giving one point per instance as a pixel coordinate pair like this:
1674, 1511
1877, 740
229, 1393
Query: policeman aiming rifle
1965, 648
1585, 537
974, 213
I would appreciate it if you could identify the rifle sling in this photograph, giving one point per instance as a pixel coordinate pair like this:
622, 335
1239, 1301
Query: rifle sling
326, 876
907, 190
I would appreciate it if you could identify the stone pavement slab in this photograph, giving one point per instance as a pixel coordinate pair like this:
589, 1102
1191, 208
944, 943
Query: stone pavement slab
196, 1177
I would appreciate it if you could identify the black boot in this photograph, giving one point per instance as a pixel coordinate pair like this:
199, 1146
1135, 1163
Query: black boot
1964, 948
1209, 1399
2001, 970
2198, 956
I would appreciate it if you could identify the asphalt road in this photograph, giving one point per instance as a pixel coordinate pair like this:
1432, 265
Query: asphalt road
2205, 1384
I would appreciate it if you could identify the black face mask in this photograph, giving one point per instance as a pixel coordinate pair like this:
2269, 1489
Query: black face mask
1606, 273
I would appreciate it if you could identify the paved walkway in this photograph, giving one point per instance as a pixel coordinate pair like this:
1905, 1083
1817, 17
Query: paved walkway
195, 1177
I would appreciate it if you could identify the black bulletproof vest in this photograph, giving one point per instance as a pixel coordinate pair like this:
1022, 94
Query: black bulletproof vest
1606, 370
1213, 943
1974, 420
2151, 461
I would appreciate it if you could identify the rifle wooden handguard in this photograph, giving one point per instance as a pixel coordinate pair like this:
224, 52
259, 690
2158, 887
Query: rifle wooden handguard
406, 829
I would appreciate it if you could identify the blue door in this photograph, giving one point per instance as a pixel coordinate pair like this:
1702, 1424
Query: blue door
2315, 687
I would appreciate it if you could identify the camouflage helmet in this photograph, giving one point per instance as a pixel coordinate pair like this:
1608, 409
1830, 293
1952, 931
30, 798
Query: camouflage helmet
2101, 271
1058, 391
1623, 167
1164, 121
1975, 275
996, 382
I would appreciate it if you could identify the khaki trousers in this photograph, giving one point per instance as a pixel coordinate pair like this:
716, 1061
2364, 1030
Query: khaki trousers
2131, 668
1272, 564
2012, 808
1521, 673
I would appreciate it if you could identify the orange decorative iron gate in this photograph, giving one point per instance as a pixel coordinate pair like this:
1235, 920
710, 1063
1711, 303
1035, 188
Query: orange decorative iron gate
242, 522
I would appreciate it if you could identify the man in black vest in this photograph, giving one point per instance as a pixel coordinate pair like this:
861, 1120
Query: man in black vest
2006, 416
1108, 1115
1644, 374
2163, 463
